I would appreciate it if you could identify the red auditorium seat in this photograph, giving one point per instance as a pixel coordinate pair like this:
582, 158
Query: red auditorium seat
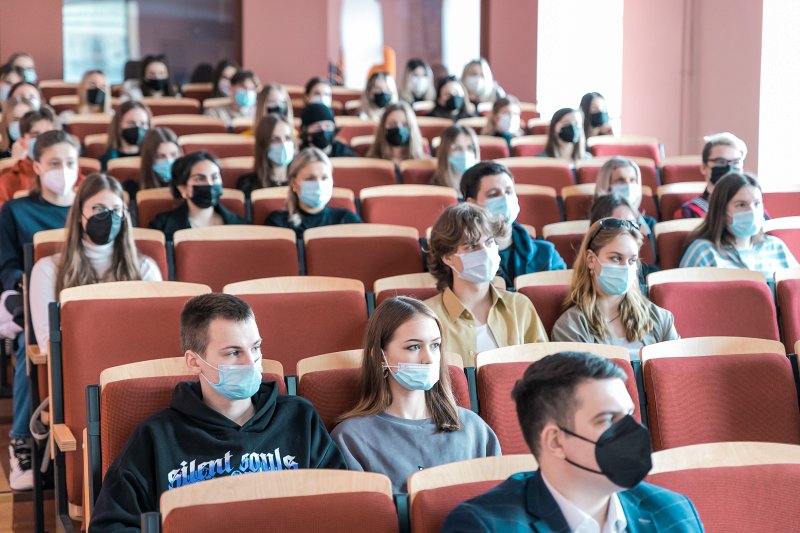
542, 171
547, 291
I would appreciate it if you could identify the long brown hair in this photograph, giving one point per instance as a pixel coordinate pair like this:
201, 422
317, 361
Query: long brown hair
375, 394
442, 174
634, 307
75, 269
264, 167
152, 140
413, 150
261, 104
115, 127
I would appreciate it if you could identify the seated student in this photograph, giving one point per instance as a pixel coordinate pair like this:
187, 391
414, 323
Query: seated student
224, 419
25, 62
273, 99
504, 120
722, 153
99, 248
126, 131
93, 95
606, 305
615, 206
409, 421
196, 178
480, 84
575, 415
381, 91
418, 83
13, 110
318, 91
243, 99
275, 148
160, 149
451, 101
319, 130
565, 138
9, 76
464, 258
457, 152
398, 138
595, 115
21, 175
732, 234
491, 186
310, 190
155, 79
623, 176
29, 91
223, 73
56, 164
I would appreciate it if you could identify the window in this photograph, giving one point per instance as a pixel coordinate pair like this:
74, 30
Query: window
461, 33
362, 40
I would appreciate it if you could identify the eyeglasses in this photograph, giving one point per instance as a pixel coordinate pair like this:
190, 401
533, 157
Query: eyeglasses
612, 223
103, 210
722, 162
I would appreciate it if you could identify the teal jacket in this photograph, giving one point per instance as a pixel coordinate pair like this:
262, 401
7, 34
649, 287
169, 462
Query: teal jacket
526, 255
523, 503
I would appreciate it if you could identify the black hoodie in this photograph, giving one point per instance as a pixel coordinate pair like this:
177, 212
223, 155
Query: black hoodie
190, 442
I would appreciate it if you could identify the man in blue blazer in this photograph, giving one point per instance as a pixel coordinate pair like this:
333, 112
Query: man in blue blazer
575, 414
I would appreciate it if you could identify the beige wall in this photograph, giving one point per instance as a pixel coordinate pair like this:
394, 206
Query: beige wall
33, 26
509, 29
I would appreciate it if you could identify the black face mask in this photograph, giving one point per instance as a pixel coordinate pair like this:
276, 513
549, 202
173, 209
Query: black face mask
622, 452
103, 228
398, 136
276, 109
598, 119
134, 135
322, 139
718, 172
569, 134
96, 96
381, 99
454, 102
159, 85
205, 196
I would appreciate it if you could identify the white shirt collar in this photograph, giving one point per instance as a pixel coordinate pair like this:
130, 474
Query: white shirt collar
580, 522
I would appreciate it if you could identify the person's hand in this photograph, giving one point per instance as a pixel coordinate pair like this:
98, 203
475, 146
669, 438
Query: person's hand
11, 314
18, 150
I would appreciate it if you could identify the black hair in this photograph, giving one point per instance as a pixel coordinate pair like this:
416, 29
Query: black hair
201, 310
32, 117
241, 76
604, 205
218, 70
314, 81
471, 179
182, 169
441, 82
415, 62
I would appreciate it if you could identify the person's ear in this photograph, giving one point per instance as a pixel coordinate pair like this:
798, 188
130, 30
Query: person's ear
551, 441
191, 362
591, 261
183, 189
38, 168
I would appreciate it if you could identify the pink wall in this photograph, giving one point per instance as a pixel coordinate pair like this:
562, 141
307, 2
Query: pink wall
509, 44
41, 37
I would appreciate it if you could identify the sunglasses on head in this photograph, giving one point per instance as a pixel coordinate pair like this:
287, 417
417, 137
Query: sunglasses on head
612, 223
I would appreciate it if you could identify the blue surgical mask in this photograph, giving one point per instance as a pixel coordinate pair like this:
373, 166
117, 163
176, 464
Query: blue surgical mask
506, 205
236, 382
163, 169
461, 161
281, 154
746, 223
413, 376
14, 132
31, 145
29, 75
316, 193
245, 98
632, 193
616, 279
4, 90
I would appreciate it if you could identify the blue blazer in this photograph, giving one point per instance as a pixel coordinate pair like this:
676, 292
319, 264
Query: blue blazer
523, 503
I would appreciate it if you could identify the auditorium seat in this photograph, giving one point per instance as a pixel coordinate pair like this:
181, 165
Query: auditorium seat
587, 171
626, 146
673, 195
265, 201
547, 292
782, 202
578, 201
350, 127
717, 389
567, 238
423, 108
240, 125
125, 169
220, 145
712, 301
417, 206
528, 111
538, 206
499, 369
51, 88
151, 202
83, 125
542, 171
417, 171
232, 168
538, 126
420, 286
95, 145
492, 147
64, 102
432, 127
87, 166
787, 294
169, 105
361, 144
190, 124
344, 95
681, 168
528, 145
476, 123
198, 91
786, 229
671, 240
356, 173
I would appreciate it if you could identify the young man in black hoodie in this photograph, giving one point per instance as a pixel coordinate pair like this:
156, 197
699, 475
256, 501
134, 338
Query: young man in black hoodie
228, 423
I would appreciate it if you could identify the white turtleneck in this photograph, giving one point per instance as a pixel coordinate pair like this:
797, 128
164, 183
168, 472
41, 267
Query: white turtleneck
43, 284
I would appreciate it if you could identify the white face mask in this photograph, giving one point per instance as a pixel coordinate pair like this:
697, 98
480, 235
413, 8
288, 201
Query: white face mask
419, 85
480, 266
60, 181
319, 99
630, 191
475, 83
508, 123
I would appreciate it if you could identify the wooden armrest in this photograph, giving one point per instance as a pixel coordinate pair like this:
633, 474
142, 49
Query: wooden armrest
35, 355
64, 438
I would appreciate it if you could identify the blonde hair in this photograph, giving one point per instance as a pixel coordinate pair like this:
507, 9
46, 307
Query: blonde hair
84, 106
368, 107
413, 150
634, 309
304, 157
491, 91
603, 182
442, 174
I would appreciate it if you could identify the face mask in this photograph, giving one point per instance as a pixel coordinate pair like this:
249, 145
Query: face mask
746, 223
60, 181
454, 102
96, 96
718, 172
36, 105
245, 98
224, 86
615, 279
480, 266
316, 193
506, 206
598, 119
461, 161
419, 85
415, 376
632, 193
381, 99
31, 146
475, 83
4, 90
103, 228
236, 382
569, 134
29, 75
319, 99
622, 452
163, 169
134, 135
14, 132
205, 196
322, 139
276, 109
398, 136
507, 123
158, 85
281, 154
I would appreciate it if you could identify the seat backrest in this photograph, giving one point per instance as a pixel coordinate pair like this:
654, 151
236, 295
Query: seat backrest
297, 500
220, 145
673, 195
786, 229
587, 171
538, 206
198, 91
169, 105
219, 255
417, 206
232, 168
710, 301
190, 124
782, 203
626, 146
81, 125
787, 293
420, 286
432, 127
126, 168
356, 173
567, 238
350, 127
265, 201
151, 202
528, 145
295, 319
95, 145
492, 147
498, 370
543, 171
719, 389
547, 291
671, 240
681, 168
417, 171
366, 252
